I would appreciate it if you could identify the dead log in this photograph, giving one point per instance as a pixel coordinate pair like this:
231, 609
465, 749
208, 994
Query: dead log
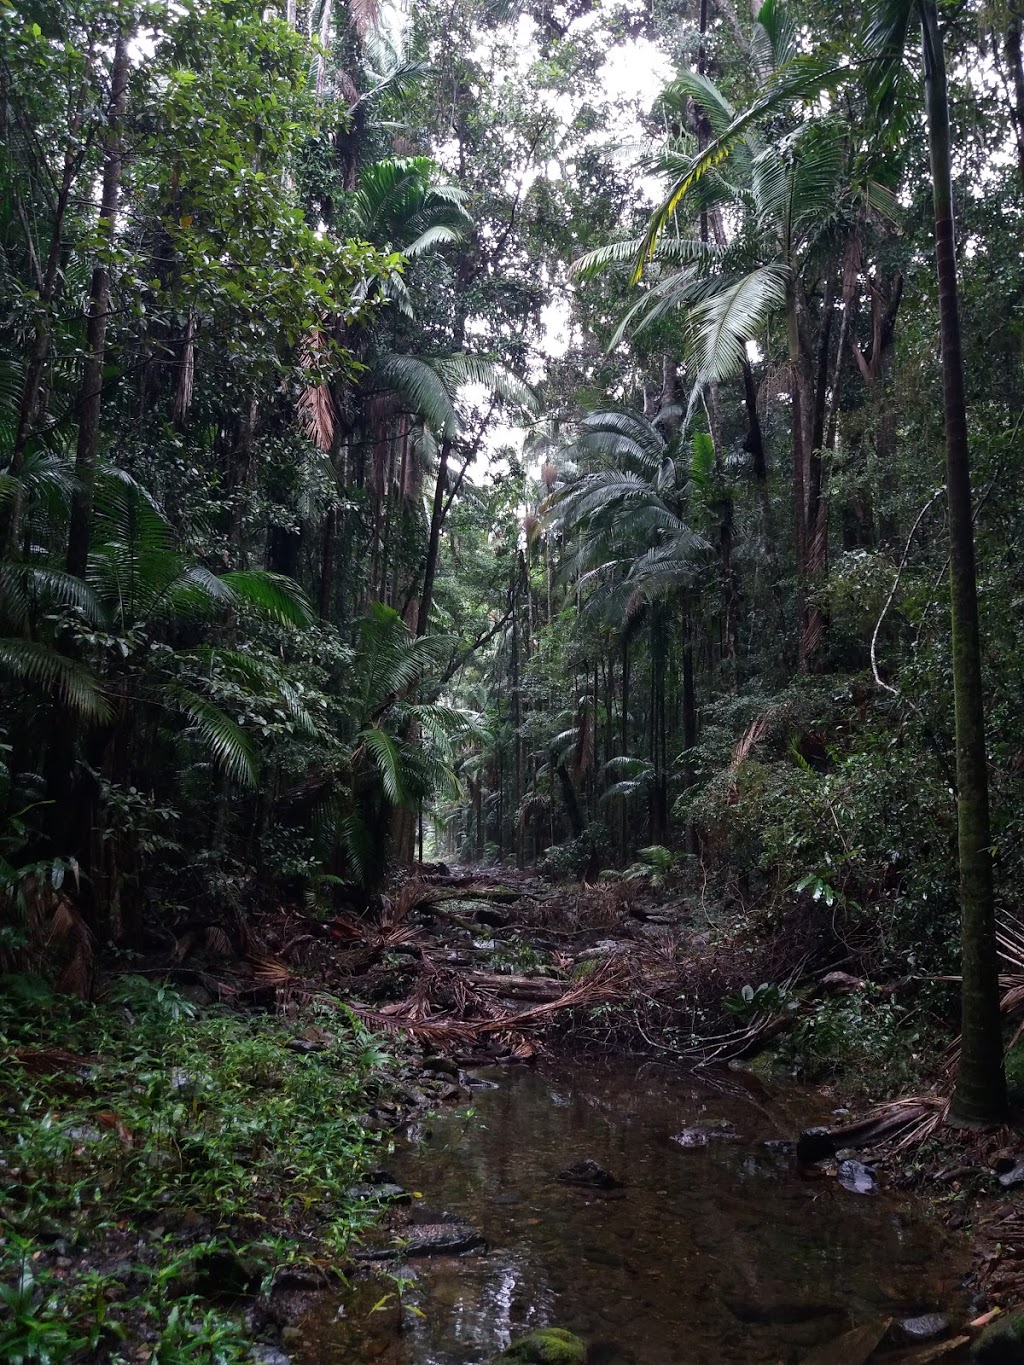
817, 1144
518, 987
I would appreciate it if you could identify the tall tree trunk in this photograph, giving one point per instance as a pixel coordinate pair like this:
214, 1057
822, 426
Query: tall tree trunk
1012, 52
96, 332
980, 1095
434, 540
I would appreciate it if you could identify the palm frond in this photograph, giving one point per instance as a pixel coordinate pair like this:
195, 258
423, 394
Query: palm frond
723, 325
802, 78
228, 744
691, 85
387, 759
885, 43
669, 250
69, 679
274, 594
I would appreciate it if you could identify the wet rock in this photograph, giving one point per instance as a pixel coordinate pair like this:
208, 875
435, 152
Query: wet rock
779, 1146
1002, 1342
269, 1355
480, 1083
705, 1134
381, 1194
83, 1132
309, 1279
814, 1144
590, 1174
546, 1346
926, 1327
1013, 1177
435, 1239
441, 1066
856, 1177
428, 1239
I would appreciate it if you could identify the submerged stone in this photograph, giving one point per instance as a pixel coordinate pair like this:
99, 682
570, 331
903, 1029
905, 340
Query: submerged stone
546, 1346
704, 1134
590, 1173
428, 1239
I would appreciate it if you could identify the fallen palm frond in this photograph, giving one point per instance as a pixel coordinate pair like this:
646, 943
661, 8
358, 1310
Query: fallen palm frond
609, 981
415, 1016
754, 733
68, 926
49, 1061
270, 973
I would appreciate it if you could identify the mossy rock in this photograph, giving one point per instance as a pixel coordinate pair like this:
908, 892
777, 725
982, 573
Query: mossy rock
1002, 1342
545, 1346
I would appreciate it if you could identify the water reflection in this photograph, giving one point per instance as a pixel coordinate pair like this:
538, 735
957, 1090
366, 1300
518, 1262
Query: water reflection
710, 1254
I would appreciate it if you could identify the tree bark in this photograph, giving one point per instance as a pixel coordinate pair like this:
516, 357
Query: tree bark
980, 1094
434, 540
1012, 52
96, 332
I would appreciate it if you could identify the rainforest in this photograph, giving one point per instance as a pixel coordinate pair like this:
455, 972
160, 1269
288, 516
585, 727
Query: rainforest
511, 601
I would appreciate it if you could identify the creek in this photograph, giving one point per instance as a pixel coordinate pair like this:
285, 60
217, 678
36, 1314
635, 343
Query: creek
707, 1254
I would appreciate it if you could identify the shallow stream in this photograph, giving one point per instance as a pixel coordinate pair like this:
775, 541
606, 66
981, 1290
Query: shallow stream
707, 1255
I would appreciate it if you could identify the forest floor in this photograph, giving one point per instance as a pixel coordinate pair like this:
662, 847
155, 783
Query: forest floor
189, 1160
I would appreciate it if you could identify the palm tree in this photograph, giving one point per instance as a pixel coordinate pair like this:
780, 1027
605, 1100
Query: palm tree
429, 388
798, 207
633, 546
400, 205
404, 748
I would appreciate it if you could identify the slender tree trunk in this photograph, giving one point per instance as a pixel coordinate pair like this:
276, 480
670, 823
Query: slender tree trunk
1012, 52
96, 333
434, 540
980, 1095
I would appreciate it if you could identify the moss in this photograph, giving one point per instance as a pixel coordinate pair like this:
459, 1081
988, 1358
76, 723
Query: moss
1002, 1342
546, 1346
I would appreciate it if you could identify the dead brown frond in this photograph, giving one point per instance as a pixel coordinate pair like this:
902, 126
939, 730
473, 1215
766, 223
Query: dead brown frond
68, 927
49, 1061
583, 750
548, 476
315, 405
217, 941
409, 895
609, 981
534, 807
364, 15
754, 733
270, 973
